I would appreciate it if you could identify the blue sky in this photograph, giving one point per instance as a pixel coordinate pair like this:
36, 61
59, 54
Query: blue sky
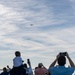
39, 29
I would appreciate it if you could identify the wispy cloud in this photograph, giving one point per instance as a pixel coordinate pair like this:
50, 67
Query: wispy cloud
39, 29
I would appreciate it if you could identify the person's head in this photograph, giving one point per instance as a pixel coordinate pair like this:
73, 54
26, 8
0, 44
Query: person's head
61, 60
4, 69
17, 53
36, 67
40, 65
25, 65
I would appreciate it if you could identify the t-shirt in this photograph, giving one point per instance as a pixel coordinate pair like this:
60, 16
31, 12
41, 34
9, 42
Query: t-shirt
17, 61
61, 70
40, 71
30, 71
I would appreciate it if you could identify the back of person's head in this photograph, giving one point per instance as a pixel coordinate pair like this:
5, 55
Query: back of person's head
4, 69
40, 65
25, 65
17, 53
61, 60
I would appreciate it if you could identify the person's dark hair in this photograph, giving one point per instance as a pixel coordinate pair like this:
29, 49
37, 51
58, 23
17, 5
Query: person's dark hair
17, 53
40, 65
61, 60
25, 65
4, 69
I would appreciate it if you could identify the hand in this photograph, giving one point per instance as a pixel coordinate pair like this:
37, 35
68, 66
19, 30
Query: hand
58, 56
28, 61
67, 55
7, 66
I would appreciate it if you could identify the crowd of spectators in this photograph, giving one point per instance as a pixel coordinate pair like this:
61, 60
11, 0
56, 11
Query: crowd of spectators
57, 67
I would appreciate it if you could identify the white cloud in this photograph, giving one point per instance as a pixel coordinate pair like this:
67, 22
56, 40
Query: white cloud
73, 5
35, 42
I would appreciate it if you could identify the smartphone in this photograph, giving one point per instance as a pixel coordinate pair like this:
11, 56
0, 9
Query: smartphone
28, 61
63, 53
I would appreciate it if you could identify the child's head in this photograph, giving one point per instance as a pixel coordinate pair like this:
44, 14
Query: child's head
17, 53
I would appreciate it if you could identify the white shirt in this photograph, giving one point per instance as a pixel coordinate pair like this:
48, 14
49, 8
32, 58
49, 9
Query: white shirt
17, 61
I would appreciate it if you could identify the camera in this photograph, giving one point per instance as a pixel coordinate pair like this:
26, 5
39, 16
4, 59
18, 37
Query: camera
28, 61
63, 53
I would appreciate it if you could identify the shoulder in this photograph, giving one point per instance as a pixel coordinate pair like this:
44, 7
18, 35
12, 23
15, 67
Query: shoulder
53, 68
37, 69
17, 58
71, 68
